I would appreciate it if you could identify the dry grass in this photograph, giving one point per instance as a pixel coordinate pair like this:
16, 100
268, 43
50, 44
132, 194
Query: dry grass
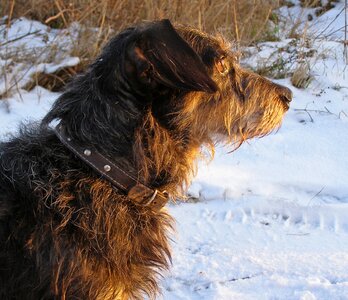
242, 21
301, 78
245, 21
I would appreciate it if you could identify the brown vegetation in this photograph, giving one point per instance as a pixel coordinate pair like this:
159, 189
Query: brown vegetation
244, 21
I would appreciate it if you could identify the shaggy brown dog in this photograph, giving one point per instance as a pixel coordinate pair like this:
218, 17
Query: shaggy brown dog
156, 94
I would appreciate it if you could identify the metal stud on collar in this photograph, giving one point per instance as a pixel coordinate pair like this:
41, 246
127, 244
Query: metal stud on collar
107, 168
87, 152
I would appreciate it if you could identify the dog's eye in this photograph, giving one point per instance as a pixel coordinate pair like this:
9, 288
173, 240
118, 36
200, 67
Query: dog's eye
221, 65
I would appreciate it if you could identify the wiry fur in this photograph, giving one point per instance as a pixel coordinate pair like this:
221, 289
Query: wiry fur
149, 102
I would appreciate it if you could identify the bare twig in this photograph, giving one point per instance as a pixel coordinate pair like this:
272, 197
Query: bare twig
316, 195
345, 51
334, 19
58, 15
18, 38
308, 111
61, 12
332, 32
10, 13
6, 50
236, 30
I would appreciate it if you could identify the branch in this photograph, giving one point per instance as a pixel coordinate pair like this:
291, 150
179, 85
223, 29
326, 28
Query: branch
326, 111
345, 50
18, 38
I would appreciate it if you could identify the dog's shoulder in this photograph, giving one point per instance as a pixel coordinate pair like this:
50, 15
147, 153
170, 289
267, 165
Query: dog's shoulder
26, 147
25, 159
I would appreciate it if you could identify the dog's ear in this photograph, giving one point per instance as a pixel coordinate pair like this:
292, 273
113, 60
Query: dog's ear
161, 55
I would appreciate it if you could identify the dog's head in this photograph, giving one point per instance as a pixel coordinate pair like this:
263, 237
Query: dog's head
192, 82
189, 81
246, 104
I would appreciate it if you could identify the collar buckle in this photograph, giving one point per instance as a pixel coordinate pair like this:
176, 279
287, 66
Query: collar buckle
145, 196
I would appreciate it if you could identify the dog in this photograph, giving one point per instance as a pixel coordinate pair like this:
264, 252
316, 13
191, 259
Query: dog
82, 192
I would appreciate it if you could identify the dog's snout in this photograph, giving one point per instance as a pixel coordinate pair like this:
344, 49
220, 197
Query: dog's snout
285, 94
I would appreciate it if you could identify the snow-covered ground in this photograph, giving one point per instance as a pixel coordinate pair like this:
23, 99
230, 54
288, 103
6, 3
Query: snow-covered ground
270, 220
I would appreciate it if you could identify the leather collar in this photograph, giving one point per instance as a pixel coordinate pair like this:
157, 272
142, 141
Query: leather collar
137, 192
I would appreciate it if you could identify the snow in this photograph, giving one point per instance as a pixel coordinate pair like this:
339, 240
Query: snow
253, 248
330, 25
30, 47
268, 221
23, 108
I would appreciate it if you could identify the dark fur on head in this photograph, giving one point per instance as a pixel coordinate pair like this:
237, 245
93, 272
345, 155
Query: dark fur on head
151, 99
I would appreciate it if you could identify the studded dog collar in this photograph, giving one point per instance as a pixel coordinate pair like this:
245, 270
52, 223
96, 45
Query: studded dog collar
136, 191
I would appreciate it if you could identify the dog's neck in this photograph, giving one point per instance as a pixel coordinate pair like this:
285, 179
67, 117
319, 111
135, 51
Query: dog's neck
163, 158
126, 133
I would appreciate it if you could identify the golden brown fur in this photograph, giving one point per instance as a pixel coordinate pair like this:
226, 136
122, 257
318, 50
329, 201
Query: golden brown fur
153, 98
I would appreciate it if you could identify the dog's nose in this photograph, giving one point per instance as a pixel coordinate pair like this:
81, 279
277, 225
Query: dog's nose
285, 94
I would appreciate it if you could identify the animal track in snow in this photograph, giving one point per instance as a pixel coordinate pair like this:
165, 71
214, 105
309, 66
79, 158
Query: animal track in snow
321, 218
